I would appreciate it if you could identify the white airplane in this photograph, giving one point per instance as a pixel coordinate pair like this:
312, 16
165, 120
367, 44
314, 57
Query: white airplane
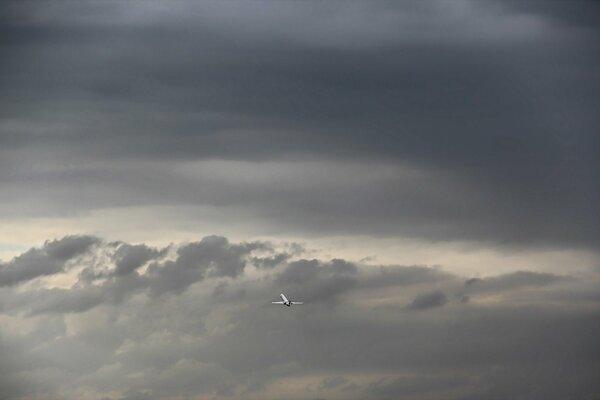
285, 301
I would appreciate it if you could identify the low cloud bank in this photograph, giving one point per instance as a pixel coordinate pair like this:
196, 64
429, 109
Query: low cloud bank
87, 318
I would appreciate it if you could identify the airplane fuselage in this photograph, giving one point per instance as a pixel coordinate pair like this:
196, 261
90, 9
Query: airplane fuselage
285, 301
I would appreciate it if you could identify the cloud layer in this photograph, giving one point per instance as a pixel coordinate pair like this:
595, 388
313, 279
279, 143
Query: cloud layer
474, 120
197, 144
194, 320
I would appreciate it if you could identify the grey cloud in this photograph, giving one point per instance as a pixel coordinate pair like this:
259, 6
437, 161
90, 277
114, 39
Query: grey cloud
579, 17
423, 385
62, 301
436, 121
212, 256
80, 298
299, 272
50, 259
428, 300
192, 377
215, 257
115, 279
321, 281
137, 396
271, 262
503, 108
131, 257
340, 266
473, 281
514, 280
113, 335
331, 382
69, 246
399, 275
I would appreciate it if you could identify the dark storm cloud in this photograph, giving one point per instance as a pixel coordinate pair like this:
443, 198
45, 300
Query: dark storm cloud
106, 340
50, 259
494, 100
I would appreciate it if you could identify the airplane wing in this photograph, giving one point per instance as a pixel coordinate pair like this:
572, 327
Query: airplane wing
297, 302
277, 302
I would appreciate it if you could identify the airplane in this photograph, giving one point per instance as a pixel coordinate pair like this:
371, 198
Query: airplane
286, 302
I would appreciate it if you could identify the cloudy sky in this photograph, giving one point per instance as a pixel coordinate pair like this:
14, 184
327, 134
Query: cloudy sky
423, 174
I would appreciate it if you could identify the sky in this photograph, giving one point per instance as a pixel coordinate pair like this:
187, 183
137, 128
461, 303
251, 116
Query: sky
422, 174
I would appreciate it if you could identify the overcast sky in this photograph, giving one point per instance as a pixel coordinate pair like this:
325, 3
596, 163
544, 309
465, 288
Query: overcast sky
423, 174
